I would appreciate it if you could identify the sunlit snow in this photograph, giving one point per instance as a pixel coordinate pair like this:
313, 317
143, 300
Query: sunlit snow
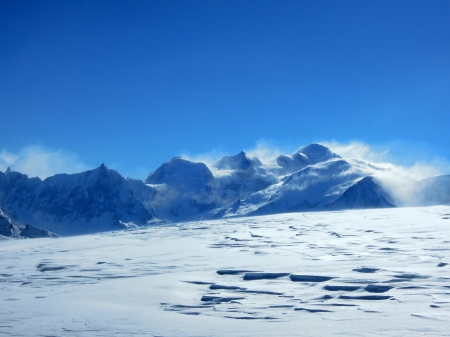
358, 272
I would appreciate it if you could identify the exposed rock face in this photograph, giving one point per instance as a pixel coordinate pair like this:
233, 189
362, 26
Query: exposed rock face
9, 228
6, 226
17, 193
91, 201
366, 193
238, 162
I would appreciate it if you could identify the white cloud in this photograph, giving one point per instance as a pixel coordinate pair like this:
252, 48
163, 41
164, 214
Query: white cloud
264, 151
209, 158
357, 150
397, 177
38, 161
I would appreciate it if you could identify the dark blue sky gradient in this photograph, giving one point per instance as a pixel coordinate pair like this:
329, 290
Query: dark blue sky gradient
134, 83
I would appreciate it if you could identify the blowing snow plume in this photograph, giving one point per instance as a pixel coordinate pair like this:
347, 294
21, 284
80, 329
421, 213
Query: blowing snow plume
311, 168
420, 184
316, 177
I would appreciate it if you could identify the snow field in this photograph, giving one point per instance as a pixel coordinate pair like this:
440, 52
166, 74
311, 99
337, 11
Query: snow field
367, 272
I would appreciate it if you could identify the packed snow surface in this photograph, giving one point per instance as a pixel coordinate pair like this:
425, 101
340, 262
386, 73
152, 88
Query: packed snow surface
356, 272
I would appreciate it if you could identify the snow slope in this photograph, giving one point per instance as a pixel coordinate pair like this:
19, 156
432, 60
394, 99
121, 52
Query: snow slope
358, 272
312, 187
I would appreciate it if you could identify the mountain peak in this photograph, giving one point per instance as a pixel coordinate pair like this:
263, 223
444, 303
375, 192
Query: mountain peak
8, 170
317, 153
366, 193
237, 162
103, 170
183, 174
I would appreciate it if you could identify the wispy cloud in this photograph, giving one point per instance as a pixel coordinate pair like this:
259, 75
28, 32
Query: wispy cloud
209, 158
265, 151
389, 166
420, 167
383, 157
357, 150
42, 162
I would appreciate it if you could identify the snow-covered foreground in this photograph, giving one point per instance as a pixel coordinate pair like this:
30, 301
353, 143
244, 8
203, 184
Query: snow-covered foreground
367, 272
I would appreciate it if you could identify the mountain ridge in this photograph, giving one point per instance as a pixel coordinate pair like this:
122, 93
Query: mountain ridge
311, 179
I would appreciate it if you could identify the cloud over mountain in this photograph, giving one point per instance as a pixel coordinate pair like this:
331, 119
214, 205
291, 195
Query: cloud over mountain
312, 178
39, 161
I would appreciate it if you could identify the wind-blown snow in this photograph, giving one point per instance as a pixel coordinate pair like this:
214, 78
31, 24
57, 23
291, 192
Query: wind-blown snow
311, 179
359, 272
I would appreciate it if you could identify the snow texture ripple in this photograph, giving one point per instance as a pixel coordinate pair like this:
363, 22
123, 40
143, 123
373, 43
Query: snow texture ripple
355, 272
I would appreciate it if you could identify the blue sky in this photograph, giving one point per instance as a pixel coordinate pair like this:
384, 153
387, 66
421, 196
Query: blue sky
134, 83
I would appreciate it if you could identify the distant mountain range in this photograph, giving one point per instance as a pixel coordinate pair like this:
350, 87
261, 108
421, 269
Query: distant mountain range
312, 179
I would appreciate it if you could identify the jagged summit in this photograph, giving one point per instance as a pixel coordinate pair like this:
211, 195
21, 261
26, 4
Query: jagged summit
8, 170
104, 171
101, 172
91, 201
238, 162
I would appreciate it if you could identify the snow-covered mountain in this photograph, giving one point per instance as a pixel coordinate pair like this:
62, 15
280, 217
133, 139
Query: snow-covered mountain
92, 201
237, 177
311, 188
184, 189
308, 155
311, 179
366, 193
432, 191
12, 229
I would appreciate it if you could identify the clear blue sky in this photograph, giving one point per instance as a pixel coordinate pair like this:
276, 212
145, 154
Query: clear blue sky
135, 83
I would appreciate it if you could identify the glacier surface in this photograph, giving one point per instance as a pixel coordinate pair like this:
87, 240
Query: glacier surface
353, 272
